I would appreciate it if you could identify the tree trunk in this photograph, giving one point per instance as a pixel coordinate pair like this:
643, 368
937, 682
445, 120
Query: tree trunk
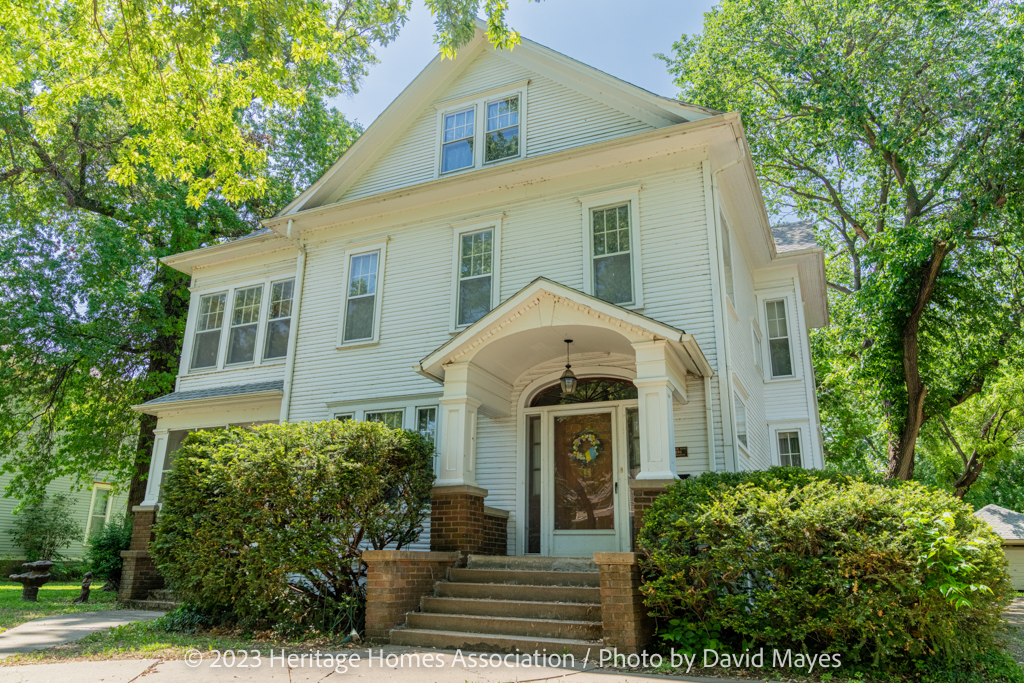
902, 444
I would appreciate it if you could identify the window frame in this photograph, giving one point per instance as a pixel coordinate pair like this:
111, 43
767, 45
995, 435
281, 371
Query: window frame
728, 275
757, 341
799, 441
98, 486
478, 103
463, 228
605, 200
410, 406
739, 404
266, 320
228, 289
472, 138
381, 411
802, 427
259, 323
787, 297
350, 252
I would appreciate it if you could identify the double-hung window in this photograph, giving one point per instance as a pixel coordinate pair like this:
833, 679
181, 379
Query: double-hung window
457, 140
279, 319
206, 343
245, 318
99, 510
779, 352
426, 422
789, 449
362, 297
476, 252
612, 254
502, 141
741, 421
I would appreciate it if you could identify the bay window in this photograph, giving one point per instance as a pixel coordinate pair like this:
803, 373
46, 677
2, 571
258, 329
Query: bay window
206, 343
244, 325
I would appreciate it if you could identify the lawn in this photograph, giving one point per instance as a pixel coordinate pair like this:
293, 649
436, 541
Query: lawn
54, 598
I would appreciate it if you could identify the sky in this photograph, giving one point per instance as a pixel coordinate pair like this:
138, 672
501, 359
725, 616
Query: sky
617, 37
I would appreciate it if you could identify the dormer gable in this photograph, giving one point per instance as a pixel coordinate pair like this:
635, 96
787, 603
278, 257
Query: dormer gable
489, 107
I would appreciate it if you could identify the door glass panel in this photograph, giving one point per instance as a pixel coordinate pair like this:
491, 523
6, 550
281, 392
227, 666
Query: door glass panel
633, 440
584, 486
533, 486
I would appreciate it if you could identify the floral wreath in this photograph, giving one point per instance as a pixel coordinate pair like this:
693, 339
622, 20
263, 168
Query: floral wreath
589, 455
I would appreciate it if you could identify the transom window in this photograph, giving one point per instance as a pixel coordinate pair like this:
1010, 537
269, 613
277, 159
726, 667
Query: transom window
244, 325
613, 270
476, 250
457, 147
360, 310
789, 449
779, 351
588, 390
502, 139
279, 319
206, 343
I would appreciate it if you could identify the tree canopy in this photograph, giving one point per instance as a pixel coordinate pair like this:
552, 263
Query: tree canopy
896, 126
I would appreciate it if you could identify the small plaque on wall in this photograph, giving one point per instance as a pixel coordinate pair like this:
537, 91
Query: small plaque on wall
681, 452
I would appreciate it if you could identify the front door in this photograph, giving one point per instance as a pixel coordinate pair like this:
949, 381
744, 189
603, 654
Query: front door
582, 482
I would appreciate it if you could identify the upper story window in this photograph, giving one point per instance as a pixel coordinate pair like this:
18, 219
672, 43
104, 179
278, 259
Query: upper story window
613, 268
502, 129
476, 250
466, 144
779, 352
457, 147
361, 311
252, 325
245, 320
206, 344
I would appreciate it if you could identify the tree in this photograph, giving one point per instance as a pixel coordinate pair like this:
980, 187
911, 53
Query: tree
896, 126
45, 528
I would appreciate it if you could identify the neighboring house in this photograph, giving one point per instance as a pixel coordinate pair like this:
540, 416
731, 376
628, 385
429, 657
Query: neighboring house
505, 202
92, 508
1009, 526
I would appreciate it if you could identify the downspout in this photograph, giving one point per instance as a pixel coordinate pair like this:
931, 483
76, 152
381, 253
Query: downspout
727, 375
709, 417
289, 368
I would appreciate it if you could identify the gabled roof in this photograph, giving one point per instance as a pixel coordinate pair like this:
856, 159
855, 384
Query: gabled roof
654, 109
1007, 524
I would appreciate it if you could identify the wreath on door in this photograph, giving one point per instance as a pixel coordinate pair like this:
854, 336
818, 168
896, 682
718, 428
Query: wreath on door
586, 446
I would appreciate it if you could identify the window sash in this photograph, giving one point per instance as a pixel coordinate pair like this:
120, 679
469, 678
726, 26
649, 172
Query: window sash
279, 319
209, 322
391, 418
741, 421
612, 254
361, 297
502, 129
779, 348
245, 318
789, 449
475, 287
99, 510
457, 136
426, 422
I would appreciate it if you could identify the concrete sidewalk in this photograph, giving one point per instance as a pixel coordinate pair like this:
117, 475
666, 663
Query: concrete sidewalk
50, 631
407, 665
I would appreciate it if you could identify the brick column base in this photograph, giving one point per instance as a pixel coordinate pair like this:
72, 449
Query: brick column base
495, 531
457, 519
139, 574
396, 581
625, 624
643, 493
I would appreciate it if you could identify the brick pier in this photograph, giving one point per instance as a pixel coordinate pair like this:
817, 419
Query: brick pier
396, 581
139, 574
624, 621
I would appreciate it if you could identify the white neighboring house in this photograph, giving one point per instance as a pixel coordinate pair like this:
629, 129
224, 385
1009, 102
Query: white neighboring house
1009, 526
505, 202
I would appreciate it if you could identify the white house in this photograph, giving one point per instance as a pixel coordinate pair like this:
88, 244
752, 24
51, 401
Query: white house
505, 202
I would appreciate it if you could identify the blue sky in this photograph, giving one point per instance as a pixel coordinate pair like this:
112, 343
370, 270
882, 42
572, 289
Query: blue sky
618, 37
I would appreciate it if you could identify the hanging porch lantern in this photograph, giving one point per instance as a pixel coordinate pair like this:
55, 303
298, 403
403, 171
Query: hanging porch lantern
568, 379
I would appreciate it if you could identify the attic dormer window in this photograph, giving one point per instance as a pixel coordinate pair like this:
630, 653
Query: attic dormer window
502, 129
457, 149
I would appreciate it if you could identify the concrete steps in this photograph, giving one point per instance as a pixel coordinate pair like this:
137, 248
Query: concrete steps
511, 604
156, 601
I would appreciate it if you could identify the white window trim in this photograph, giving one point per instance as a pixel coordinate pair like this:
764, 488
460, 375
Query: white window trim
458, 230
478, 103
97, 486
756, 342
378, 302
605, 199
745, 450
802, 427
197, 293
265, 321
763, 297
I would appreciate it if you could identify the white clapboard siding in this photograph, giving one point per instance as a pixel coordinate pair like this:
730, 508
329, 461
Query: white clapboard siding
557, 118
248, 374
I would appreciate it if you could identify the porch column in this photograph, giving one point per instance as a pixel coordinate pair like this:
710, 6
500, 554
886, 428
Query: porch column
156, 467
458, 441
659, 379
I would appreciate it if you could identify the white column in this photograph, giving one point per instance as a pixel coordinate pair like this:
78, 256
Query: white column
658, 380
156, 467
458, 428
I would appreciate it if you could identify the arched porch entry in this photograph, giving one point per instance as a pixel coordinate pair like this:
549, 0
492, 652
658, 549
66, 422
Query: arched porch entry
576, 457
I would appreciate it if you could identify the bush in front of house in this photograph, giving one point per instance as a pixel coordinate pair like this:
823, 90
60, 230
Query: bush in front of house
103, 554
269, 523
892, 575
43, 529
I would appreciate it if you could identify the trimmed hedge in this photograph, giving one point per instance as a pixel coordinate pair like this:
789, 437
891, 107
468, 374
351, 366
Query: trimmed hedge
268, 523
885, 573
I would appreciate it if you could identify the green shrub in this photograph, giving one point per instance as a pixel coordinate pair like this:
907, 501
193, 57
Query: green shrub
270, 522
886, 574
45, 528
103, 554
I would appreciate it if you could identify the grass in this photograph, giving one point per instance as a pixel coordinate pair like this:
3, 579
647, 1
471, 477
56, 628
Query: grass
148, 640
54, 598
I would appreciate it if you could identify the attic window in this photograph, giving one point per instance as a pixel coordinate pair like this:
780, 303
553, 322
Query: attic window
484, 128
502, 129
457, 148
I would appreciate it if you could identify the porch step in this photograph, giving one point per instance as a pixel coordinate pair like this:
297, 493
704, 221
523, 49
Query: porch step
511, 604
506, 591
506, 626
485, 642
148, 605
526, 578
569, 611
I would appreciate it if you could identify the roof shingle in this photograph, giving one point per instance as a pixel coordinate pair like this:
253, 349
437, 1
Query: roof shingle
1008, 525
794, 236
217, 392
